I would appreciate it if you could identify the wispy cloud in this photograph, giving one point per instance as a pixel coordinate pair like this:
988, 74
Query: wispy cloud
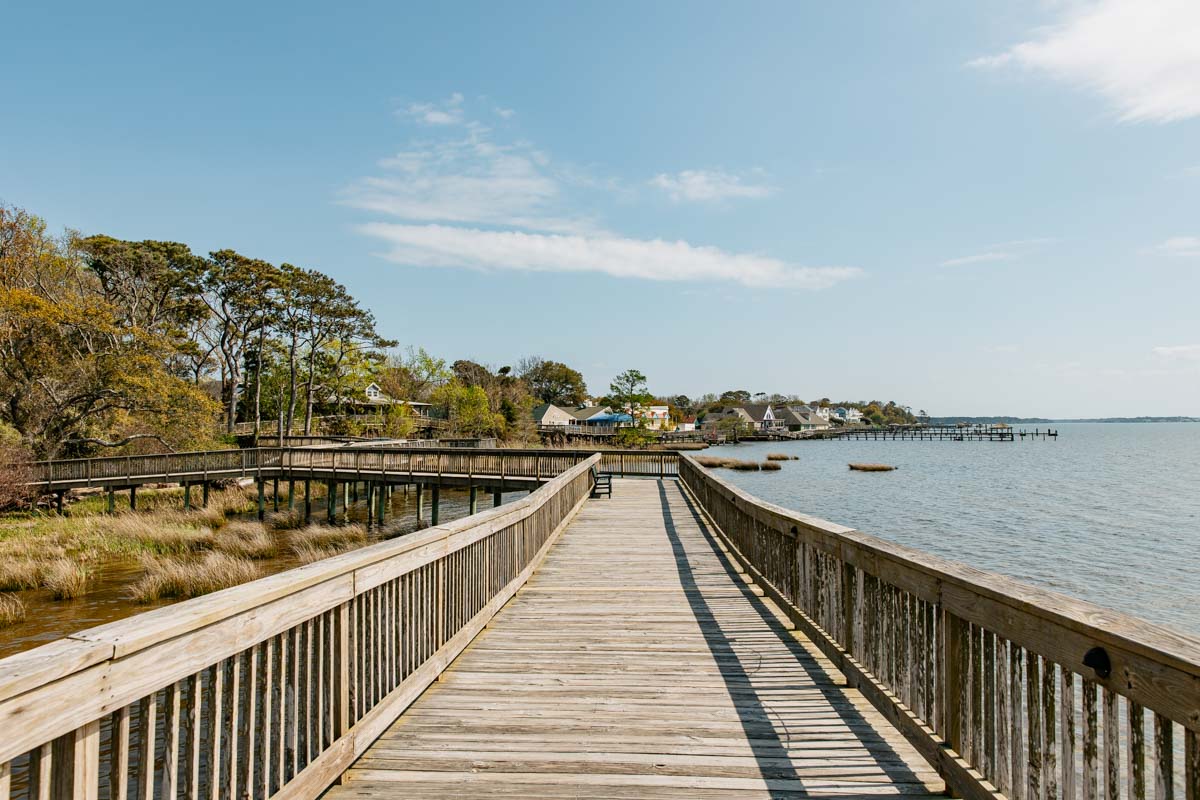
447, 112
695, 185
471, 179
1141, 56
1001, 251
978, 258
1184, 246
1179, 352
464, 198
504, 113
655, 260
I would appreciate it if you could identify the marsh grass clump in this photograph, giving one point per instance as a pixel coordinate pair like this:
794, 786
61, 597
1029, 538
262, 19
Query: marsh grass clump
770, 466
327, 536
284, 520
65, 578
12, 610
245, 539
872, 467
316, 542
181, 578
161, 534
713, 462
778, 457
19, 573
745, 466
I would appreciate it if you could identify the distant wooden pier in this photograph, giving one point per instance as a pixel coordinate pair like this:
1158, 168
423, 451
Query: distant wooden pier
948, 433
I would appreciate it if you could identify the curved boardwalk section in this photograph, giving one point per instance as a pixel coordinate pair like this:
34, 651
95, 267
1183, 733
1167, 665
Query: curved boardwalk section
637, 663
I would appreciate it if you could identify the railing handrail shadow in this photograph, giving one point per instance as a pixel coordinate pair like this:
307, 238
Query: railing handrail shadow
967, 663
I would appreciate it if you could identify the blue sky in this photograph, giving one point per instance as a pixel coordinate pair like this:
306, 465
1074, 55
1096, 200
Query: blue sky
968, 207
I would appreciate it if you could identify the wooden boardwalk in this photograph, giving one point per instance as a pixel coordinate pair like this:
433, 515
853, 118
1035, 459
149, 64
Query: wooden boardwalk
637, 663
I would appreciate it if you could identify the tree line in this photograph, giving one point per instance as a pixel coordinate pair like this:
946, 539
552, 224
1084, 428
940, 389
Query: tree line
109, 345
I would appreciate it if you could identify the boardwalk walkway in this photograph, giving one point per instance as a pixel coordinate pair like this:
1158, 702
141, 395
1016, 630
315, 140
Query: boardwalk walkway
636, 663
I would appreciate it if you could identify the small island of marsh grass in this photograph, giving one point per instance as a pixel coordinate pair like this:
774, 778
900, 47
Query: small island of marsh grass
859, 467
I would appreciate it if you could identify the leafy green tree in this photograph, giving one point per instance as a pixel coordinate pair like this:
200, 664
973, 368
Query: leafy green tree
628, 391
554, 382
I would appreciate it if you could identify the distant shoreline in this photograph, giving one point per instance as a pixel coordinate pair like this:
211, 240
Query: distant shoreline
1044, 420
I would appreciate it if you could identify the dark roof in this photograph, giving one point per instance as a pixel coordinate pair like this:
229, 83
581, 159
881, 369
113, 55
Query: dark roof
587, 412
757, 411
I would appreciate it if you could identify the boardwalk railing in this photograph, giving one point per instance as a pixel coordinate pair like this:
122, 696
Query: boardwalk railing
397, 462
1002, 686
272, 688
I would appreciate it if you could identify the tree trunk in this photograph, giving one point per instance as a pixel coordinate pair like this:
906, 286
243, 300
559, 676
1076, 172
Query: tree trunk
258, 365
308, 401
291, 412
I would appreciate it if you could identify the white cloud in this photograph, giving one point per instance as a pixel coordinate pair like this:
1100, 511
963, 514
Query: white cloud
1179, 352
505, 113
657, 260
1187, 246
448, 112
1141, 55
706, 186
978, 258
467, 180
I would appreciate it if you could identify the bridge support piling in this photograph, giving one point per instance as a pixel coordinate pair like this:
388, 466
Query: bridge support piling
330, 501
133, 498
420, 502
187, 496
58, 502
262, 498
474, 499
497, 498
346, 498
204, 494
307, 500
112, 500
370, 495
433, 505
291, 495
275, 494
382, 491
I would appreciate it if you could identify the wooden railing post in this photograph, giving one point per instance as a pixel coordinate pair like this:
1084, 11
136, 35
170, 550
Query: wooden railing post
849, 596
952, 673
344, 696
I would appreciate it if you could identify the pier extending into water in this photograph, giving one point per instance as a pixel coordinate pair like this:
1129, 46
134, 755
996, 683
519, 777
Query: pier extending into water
679, 639
944, 433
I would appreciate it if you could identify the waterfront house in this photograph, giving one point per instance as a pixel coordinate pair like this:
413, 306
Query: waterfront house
655, 417
591, 415
549, 414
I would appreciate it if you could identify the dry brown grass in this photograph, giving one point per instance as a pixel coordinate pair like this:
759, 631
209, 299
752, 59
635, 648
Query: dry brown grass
246, 539
65, 578
19, 573
872, 467
770, 466
326, 536
781, 457
178, 578
284, 520
307, 553
744, 466
713, 462
12, 610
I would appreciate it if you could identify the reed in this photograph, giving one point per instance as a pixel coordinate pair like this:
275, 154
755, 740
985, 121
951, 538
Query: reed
65, 578
179, 578
770, 466
744, 466
781, 457
12, 610
328, 536
307, 553
19, 573
246, 540
872, 467
714, 462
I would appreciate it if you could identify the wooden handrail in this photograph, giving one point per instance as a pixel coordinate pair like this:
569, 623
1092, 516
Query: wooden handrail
271, 688
277, 461
996, 682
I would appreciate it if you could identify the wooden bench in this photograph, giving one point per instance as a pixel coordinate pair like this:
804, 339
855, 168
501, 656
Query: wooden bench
601, 483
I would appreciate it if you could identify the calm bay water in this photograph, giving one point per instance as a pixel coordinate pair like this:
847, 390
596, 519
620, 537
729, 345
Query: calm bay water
1109, 512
